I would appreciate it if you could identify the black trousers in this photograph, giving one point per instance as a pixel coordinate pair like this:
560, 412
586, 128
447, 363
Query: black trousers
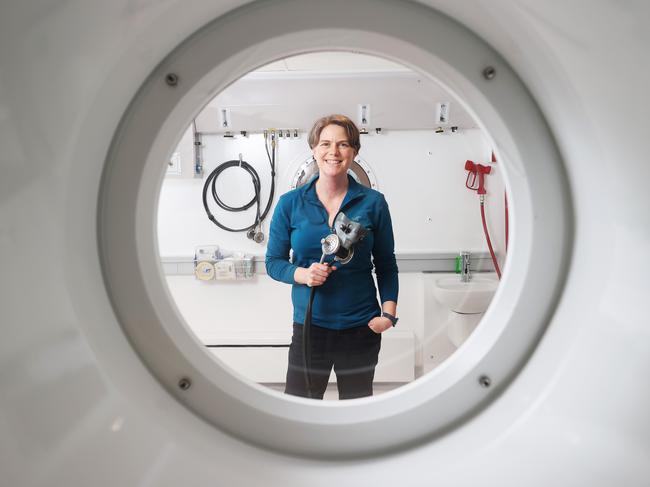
353, 353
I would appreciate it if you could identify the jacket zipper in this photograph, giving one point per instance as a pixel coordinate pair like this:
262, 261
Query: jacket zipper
347, 203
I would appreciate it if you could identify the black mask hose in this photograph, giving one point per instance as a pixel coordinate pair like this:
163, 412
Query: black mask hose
306, 337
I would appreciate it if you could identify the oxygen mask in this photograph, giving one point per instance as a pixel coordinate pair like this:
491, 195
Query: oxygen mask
341, 243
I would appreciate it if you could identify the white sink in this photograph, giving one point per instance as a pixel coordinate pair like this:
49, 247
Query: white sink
466, 297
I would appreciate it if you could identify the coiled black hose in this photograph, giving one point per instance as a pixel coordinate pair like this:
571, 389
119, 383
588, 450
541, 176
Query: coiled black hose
211, 181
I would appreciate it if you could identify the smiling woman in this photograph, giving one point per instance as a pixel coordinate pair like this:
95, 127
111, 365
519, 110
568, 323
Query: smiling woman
347, 319
334, 140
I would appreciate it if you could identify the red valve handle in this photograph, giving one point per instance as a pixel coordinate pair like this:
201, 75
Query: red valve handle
482, 170
479, 169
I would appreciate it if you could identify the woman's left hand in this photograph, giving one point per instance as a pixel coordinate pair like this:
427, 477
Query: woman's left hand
380, 324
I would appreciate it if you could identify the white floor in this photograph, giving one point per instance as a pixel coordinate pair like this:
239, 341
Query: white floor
332, 394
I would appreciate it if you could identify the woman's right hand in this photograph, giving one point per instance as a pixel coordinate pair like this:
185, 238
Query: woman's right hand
314, 275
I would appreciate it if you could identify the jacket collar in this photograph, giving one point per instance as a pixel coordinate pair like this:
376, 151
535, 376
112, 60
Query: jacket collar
354, 190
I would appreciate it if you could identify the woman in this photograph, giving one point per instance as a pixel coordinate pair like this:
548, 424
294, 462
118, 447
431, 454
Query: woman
347, 320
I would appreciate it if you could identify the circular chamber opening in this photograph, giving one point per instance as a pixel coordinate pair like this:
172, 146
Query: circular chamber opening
244, 148
192, 297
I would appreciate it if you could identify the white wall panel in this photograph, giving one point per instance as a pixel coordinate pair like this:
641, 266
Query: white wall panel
435, 213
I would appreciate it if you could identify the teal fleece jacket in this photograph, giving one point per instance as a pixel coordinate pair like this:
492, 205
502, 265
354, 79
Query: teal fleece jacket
348, 298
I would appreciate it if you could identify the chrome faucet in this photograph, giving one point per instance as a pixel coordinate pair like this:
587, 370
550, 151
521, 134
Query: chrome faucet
465, 275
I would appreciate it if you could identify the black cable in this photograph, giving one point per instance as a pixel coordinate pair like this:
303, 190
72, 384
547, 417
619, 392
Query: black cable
211, 180
306, 342
306, 338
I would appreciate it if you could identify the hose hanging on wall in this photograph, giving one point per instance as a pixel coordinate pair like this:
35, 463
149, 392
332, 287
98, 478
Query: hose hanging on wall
253, 231
487, 238
480, 170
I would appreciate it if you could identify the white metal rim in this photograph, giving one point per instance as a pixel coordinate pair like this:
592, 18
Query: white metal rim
418, 37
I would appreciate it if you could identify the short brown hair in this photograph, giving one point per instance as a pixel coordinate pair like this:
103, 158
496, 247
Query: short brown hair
348, 125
